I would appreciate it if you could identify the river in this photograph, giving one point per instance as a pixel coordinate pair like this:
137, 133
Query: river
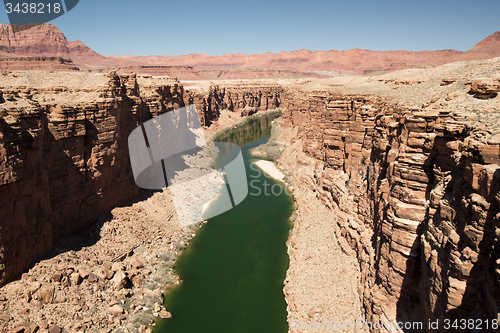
233, 271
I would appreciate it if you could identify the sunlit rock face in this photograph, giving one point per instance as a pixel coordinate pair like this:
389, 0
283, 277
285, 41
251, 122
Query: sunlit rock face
416, 196
64, 156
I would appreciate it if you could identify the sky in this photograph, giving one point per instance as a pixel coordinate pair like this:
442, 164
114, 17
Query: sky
154, 27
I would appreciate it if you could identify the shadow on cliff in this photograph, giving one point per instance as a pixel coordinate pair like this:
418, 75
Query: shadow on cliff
481, 300
421, 297
380, 210
113, 187
119, 189
90, 235
407, 307
409, 304
55, 193
414, 302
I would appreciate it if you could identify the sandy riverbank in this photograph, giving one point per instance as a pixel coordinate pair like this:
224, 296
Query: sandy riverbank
271, 169
322, 281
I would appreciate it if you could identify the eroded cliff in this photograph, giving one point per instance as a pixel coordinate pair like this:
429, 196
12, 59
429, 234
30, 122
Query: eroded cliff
65, 156
246, 99
64, 149
416, 199
413, 192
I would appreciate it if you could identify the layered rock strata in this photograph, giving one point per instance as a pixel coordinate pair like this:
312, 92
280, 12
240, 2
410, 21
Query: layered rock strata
239, 98
37, 63
48, 41
64, 157
414, 193
189, 73
64, 149
416, 197
179, 72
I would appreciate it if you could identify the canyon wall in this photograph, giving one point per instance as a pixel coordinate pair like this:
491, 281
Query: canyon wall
416, 196
178, 72
190, 73
64, 158
65, 162
416, 193
246, 99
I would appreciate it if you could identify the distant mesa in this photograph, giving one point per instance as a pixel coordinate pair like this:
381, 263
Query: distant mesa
47, 40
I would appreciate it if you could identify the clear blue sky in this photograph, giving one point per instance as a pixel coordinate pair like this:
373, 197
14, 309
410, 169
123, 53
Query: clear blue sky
151, 27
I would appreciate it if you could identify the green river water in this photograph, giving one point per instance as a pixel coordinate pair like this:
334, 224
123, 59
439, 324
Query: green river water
234, 269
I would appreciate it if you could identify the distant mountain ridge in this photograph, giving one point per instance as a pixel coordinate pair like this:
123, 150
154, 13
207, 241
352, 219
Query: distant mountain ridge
342, 62
490, 46
48, 40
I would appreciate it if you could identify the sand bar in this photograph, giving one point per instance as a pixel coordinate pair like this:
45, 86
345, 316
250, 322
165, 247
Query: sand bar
270, 169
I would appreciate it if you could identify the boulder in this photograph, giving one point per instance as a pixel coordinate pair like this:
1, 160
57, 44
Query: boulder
92, 278
57, 277
75, 279
30, 327
115, 310
137, 262
485, 88
54, 329
117, 266
46, 293
107, 272
120, 280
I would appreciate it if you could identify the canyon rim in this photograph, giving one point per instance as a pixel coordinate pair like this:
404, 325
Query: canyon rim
395, 174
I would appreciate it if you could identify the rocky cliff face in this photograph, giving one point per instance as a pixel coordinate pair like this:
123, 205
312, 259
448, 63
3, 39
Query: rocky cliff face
64, 156
189, 73
179, 72
416, 197
44, 40
246, 99
37, 63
